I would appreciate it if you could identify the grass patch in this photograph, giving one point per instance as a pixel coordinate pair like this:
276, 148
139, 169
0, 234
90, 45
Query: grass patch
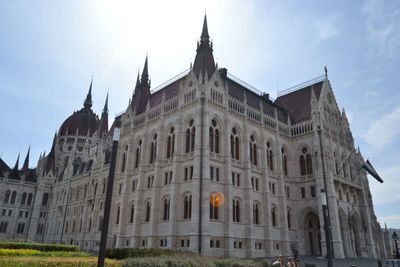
33, 252
34, 261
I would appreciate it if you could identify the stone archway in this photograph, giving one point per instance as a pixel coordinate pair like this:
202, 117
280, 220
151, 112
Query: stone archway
354, 230
344, 233
312, 234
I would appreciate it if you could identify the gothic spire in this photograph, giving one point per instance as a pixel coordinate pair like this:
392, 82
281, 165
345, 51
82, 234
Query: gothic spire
105, 109
204, 61
26, 162
88, 101
145, 74
16, 163
204, 33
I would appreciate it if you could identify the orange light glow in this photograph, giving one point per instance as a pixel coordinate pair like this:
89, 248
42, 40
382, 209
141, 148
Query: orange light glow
217, 199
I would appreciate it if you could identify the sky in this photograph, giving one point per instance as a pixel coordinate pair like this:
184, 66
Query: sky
49, 51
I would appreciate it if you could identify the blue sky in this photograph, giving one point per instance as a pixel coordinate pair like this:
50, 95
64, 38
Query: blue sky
49, 50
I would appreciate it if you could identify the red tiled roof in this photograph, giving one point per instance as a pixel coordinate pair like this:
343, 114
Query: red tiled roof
82, 121
297, 103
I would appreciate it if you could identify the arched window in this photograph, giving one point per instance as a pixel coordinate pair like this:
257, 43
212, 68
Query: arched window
132, 213
23, 199
45, 199
100, 223
336, 159
153, 149
171, 143
124, 159
273, 217
344, 166
236, 210
7, 196
20, 228
148, 210
256, 213
13, 196
90, 225
66, 227
284, 162
166, 209
270, 157
289, 219
187, 207
253, 150
214, 137
3, 227
235, 144
73, 226
215, 202
118, 215
190, 136
138, 152
305, 162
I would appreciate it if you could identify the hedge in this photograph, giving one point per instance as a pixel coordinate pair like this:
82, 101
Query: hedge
38, 246
183, 261
123, 253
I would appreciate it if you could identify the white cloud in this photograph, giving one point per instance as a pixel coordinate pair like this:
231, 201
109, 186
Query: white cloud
327, 28
384, 130
383, 26
388, 192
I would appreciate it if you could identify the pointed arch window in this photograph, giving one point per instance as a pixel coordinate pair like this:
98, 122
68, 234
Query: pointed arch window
253, 150
171, 143
166, 206
236, 210
235, 143
153, 149
270, 157
274, 216
13, 197
256, 213
284, 162
190, 137
214, 137
148, 210
124, 159
7, 196
305, 162
132, 213
3, 227
118, 215
187, 207
29, 202
45, 199
215, 202
344, 166
138, 153
289, 219
23, 199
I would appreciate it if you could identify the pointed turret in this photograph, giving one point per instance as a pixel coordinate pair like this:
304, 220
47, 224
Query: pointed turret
145, 74
88, 101
204, 62
16, 166
142, 91
103, 126
25, 167
14, 174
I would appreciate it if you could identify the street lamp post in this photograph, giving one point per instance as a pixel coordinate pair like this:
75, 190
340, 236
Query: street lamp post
325, 208
395, 238
107, 206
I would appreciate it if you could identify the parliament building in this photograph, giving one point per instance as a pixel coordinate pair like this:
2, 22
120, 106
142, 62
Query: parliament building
205, 163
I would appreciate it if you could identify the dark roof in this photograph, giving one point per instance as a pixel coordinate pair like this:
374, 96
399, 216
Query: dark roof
80, 122
238, 91
297, 103
31, 176
4, 167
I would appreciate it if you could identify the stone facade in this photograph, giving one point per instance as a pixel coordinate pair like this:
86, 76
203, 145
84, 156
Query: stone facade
205, 164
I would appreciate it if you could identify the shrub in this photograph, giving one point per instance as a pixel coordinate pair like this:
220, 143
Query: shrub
38, 246
123, 253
